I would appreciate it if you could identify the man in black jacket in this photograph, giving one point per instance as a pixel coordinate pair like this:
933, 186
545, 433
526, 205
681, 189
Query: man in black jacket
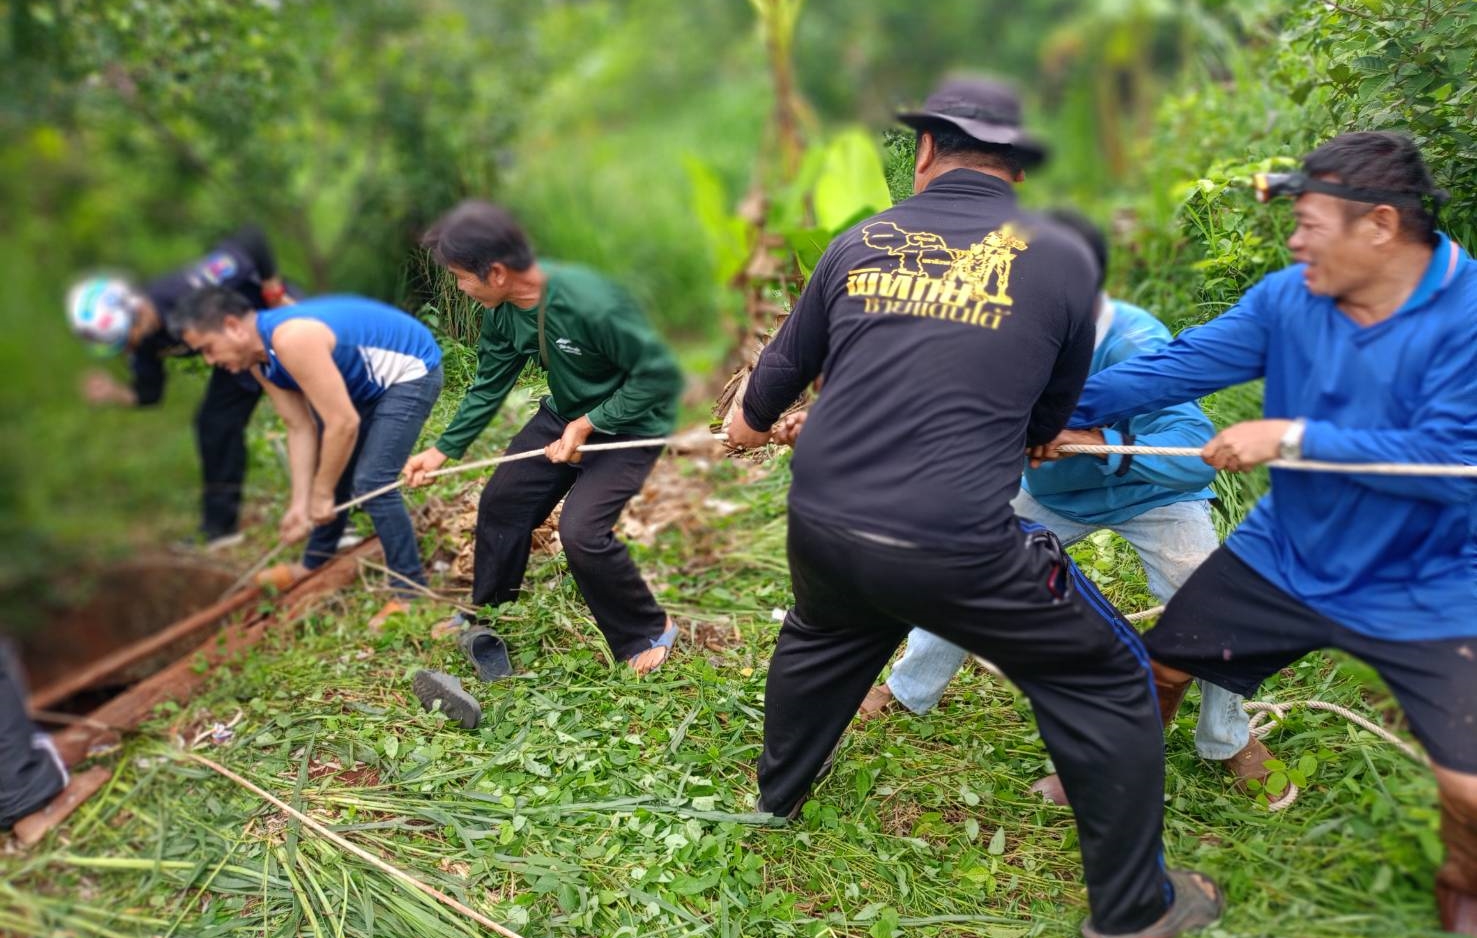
115, 316
954, 330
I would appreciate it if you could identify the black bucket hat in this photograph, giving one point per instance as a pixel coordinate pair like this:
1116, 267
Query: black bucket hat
986, 110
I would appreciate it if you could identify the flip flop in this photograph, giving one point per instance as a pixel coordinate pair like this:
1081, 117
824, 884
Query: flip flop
487, 652
433, 687
664, 640
1197, 903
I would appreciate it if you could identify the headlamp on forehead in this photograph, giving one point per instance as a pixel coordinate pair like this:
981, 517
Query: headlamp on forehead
1269, 186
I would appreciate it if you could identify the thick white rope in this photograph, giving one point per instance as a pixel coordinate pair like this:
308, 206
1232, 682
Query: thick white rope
1307, 465
511, 457
1265, 714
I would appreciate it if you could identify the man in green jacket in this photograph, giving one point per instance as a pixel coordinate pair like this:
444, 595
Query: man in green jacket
611, 378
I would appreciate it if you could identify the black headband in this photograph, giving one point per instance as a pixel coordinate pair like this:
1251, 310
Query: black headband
1269, 186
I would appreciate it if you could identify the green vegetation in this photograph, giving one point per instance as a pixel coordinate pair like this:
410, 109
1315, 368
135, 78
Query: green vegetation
625, 134
590, 803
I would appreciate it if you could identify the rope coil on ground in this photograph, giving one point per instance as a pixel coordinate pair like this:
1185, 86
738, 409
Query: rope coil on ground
1265, 715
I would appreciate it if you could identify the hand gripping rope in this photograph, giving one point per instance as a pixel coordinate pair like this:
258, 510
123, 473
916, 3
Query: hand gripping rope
1306, 465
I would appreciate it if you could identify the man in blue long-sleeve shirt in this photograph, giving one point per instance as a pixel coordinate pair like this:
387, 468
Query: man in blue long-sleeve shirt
1369, 349
1159, 505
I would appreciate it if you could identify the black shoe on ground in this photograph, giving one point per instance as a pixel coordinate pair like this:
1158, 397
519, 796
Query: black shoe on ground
433, 687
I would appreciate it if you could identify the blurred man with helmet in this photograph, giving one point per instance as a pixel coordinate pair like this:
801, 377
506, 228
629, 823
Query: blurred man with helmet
115, 315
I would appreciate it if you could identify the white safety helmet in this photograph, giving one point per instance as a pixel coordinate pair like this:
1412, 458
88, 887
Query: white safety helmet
101, 310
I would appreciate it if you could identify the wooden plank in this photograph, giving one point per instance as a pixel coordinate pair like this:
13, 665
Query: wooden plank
180, 680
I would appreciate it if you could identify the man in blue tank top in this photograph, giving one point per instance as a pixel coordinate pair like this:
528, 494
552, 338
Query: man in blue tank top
368, 372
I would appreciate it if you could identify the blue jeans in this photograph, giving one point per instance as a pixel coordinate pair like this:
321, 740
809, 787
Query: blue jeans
388, 430
1171, 541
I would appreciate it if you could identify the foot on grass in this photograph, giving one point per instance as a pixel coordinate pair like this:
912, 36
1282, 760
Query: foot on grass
1249, 763
394, 607
1197, 903
645, 662
878, 701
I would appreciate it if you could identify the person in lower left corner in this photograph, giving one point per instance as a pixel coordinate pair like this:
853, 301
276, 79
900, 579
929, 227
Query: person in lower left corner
31, 771
354, 381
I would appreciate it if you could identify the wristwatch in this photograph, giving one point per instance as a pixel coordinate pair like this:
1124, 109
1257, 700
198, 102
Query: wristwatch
1291, 444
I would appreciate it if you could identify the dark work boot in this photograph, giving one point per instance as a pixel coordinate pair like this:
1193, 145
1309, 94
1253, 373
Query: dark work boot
1171, 686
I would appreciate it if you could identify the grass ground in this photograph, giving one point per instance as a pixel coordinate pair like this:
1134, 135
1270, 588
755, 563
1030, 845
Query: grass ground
592, 803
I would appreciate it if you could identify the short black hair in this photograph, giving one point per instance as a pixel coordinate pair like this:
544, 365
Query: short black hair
206, 310
950, 141
475, 235
1378, 159
1082, 226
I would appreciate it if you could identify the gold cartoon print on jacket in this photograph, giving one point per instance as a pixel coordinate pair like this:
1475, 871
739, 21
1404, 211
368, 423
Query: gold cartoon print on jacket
936, 281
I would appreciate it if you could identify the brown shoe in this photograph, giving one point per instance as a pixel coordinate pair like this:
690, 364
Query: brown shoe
1197, 903
878, 701
281, 576
1249, 763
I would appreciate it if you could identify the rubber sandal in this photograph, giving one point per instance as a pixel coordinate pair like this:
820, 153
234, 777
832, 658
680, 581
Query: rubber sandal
665, 640
1197, 903
487, 652
433, 687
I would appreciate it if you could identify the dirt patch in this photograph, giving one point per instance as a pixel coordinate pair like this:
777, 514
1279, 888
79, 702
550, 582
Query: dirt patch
899, 818
678, 495
716, 636
360, 775
104, 610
